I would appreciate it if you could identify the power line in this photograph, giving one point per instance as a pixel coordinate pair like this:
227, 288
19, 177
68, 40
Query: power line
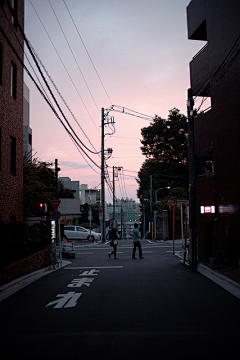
218, 77
65, 103
49, 89
45, 97
124, 110
64, 66
73, 55
88, 53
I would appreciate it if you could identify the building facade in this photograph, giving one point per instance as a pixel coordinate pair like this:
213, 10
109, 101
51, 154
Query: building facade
94, 193
70, 208
215, 75
11, 110
27, 131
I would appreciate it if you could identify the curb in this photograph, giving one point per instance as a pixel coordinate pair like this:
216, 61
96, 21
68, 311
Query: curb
223, 281
229, 285
20, 283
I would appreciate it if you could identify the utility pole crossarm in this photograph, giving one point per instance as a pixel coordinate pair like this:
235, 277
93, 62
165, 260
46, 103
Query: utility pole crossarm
127, 111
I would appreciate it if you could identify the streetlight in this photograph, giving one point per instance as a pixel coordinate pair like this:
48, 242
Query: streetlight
166, 187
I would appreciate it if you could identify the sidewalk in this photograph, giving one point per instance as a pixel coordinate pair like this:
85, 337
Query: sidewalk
227, 277
18, 284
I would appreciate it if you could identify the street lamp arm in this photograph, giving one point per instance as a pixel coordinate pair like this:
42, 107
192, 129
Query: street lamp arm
165, 187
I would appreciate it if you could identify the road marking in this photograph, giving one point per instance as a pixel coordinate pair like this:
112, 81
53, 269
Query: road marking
85, 253
93, 267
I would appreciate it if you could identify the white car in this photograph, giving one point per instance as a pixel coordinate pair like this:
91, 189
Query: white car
72, 232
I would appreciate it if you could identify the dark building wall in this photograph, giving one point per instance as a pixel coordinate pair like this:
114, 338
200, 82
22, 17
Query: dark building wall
11, 116
218, 130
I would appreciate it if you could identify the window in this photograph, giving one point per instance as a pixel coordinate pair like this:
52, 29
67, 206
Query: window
204, 164
69, 228
13, 156
13, 80
14, 15
81, 229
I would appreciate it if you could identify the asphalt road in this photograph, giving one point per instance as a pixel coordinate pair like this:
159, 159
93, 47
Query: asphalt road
101, 308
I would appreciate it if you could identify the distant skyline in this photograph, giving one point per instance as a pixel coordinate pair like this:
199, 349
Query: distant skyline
140, 53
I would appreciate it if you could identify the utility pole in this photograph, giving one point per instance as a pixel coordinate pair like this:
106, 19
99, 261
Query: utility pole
122, 218
113, 197
115, 174
57, 169
192, 188
57, 227
151, 217
90, 212
103, 231
104, 121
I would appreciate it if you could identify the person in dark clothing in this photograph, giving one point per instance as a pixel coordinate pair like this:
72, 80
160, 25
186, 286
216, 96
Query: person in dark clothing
115, 242
136, 243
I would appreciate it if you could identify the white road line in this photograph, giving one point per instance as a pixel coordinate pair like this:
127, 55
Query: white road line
85, 253
93, 267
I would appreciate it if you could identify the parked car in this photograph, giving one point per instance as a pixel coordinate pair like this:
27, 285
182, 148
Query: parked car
79, 233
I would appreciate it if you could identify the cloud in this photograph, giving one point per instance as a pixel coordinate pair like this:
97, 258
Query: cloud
73, 165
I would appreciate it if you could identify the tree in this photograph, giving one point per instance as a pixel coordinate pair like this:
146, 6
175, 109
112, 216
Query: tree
38, 186
165, 145
95, 214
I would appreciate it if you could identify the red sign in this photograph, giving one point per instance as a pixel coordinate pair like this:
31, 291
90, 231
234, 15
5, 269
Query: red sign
55, 203
207, 209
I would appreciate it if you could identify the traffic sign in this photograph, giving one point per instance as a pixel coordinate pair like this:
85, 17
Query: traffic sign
55, 203
56, 215
100, 214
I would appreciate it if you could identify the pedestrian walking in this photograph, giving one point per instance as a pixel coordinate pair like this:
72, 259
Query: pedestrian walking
114, 243
136, 243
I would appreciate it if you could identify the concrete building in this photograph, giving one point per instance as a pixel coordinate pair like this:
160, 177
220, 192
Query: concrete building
215, 75
11, 111
70, 208
127, 212
95, 195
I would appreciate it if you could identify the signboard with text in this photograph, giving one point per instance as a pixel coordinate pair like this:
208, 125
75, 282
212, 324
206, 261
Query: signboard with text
210, 209
55, 203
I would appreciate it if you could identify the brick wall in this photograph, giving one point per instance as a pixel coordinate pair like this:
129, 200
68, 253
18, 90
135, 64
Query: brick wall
11, 116
24, 267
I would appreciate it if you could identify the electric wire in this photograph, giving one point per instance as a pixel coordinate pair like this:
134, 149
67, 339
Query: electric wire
88, 53
73, 55
54, 98
219, 78
65, 103
64, 66
122, 110
39, 89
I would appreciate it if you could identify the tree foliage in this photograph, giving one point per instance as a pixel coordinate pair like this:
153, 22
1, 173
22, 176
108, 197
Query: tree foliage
95, 215
39, 186
165, 145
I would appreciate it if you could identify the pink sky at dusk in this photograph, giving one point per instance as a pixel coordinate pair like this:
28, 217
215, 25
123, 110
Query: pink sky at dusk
141, 52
